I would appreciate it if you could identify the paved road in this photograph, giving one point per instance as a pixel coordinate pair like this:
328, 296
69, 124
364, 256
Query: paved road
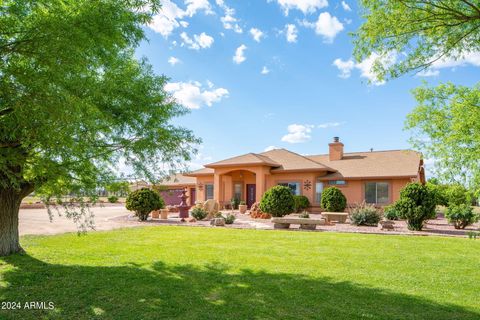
36, 221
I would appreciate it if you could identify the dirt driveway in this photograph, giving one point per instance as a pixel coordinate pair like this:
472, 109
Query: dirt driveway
36, 221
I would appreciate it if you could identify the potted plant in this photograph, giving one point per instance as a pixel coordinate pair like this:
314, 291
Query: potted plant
242, 207
164, 214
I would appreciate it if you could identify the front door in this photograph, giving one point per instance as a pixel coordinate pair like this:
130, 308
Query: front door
251, 194
193, 196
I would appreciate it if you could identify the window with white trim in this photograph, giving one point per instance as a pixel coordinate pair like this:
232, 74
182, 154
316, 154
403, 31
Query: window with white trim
337, 182
208, 191
318, 191
294, 187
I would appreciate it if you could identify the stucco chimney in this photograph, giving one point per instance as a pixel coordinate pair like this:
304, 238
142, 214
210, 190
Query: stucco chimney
335, 149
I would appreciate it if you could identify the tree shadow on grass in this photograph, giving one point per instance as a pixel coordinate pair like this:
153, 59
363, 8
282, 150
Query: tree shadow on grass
159, 291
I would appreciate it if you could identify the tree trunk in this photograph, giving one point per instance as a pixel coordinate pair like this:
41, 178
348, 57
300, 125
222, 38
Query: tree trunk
10, 200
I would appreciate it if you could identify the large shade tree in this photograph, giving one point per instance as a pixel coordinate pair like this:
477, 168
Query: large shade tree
423, 34
74, 101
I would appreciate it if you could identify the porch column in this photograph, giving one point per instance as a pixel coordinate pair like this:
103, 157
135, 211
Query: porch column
217, 187
260, 185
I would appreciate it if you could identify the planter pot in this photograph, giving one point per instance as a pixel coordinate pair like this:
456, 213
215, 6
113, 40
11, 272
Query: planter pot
164, 214
155, 214
242, 208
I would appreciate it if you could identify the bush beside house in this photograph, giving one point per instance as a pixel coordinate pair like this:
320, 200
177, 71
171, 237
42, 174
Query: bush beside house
144, 201
416, 205
333, 200
461, 215
278, 201
301, 203
365, 215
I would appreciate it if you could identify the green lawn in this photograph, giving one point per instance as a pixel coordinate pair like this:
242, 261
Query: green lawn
204, 273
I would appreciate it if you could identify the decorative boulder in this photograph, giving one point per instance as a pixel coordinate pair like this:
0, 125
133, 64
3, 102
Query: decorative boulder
212, 207
218, 222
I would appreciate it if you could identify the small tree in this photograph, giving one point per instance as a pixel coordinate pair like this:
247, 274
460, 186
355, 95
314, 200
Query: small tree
416, 205
461, 215
457, 195
278, 201
333, 200
144, 201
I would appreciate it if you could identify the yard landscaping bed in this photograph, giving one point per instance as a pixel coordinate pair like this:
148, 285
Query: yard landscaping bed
219, 273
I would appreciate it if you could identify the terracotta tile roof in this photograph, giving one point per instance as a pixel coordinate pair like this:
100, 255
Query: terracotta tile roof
178, 180
291, 161
246, 159
393, 163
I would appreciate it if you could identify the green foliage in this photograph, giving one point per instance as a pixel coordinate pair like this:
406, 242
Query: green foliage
423, 31
304, 214
72, 65
278, 201
333, 200
457, 195
301, 203
113, 199
243, 203
461, 215
365, 215
235, 202
416, 205
229, 218
390, 213
144, 201
445, 127
439, 193
473, 235
120, 187
198, 213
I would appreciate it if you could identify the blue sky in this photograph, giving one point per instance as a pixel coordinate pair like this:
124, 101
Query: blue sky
310, 89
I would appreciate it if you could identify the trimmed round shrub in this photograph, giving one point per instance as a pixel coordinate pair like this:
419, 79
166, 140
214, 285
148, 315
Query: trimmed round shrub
199, 213
301, 203
144, 201
461, 215
390, 213
365, 215
333, 200
112, 199
416, 205
278, 201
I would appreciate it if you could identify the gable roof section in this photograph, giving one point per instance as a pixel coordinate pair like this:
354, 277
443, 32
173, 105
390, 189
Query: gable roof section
178, 180
249, 159
291, 161
394, 163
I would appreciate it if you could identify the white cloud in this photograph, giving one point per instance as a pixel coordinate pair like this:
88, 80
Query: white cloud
345, 6
201, 41
291, 32
468, 59
365, 67
270, 148
173, 61
298, 133
257, 34
191, 95
229, 21
265, 70
306, 6
239, 56
329, 125
328, 26
170, 16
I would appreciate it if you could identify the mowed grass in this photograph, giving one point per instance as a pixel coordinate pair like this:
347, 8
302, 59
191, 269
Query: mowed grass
207, 273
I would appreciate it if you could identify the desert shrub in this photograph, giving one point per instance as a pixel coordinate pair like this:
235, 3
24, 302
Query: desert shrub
278, 201
457, 195
229, 218
365, 215
416, 205
390, 213
144, 201
333, 200
304, 214
301, 203
199, 213
113, 199
461, 215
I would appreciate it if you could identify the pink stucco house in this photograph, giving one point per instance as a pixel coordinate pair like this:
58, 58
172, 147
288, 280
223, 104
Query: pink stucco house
373, 176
